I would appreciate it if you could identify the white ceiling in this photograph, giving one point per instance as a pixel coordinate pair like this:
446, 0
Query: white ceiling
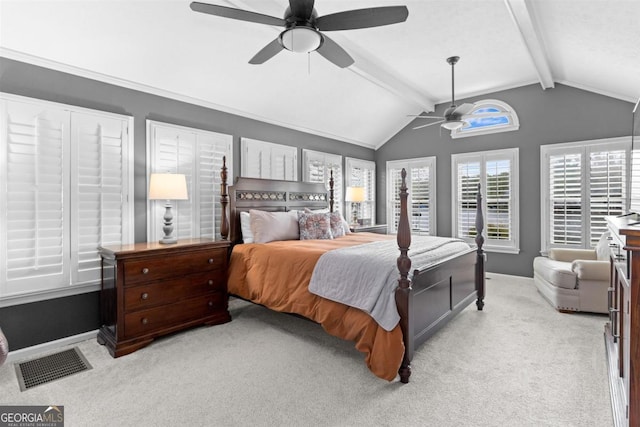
163, 47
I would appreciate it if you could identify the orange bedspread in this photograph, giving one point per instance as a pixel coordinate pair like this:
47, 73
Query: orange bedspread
277, 275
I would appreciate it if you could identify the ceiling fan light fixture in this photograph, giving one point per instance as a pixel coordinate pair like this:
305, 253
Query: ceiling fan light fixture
301, 39
453, 125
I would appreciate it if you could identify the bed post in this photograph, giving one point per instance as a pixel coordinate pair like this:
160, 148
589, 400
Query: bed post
480, 275
403, 292
331, 191
224, 200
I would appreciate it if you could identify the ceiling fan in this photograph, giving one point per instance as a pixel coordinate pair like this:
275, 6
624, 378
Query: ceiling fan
302, 27
454, 116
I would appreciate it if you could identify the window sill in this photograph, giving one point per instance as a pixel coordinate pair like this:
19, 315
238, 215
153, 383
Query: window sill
48, 294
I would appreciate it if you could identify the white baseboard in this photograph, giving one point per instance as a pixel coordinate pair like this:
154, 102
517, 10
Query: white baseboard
48, 347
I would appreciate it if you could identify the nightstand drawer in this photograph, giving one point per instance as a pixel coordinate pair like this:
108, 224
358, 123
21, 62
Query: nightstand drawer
151, 320
153, 269
167, 291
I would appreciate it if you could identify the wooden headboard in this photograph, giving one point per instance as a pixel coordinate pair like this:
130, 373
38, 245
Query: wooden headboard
271, 195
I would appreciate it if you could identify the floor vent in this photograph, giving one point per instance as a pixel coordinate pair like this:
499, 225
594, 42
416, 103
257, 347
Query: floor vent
49, 368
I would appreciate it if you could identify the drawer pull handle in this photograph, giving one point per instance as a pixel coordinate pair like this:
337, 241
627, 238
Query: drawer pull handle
210, 303
210, 282
144, 296
210, 260
145, 271
144, 320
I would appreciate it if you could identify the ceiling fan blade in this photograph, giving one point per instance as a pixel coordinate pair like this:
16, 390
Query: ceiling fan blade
301, 8
239, 14
464, 109
429, 124
334, 53
267, 52
362, 18
425, 117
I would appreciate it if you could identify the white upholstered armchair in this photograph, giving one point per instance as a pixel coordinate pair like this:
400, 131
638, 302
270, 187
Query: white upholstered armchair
575, 279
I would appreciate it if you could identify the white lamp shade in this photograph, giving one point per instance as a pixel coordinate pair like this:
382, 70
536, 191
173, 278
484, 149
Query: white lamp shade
167, 186
354, 194
452, 125
301, 39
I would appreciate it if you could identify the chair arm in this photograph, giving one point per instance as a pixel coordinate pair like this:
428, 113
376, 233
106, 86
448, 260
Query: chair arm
569, 255
591, 270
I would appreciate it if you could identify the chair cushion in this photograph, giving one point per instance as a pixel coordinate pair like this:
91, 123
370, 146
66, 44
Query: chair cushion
558, 273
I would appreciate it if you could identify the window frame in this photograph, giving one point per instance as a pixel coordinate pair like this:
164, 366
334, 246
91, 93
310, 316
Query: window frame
156, 208
584, 148
408, 164
512, 245
509, 113
72, 283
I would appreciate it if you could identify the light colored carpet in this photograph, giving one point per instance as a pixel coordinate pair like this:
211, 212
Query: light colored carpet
517, 363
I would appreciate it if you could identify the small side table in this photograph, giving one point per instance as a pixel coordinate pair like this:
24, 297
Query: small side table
378, 228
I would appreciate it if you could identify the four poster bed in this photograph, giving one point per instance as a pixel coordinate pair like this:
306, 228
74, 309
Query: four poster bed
279, 274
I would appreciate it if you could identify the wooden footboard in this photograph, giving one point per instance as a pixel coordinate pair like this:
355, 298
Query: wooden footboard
437, 293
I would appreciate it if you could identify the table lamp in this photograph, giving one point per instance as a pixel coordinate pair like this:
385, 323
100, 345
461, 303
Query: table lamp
168, 186
355, 195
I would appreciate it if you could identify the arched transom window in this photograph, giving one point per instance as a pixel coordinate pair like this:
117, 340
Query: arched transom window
505, 120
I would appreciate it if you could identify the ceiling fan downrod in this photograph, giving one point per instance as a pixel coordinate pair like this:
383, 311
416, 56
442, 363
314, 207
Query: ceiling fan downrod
453, 60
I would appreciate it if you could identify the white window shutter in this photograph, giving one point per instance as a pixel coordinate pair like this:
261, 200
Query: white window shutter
468, 178
607, 189
99, 186
362, 173
267, 160
198, 155
35, 242
317, 167
421, 203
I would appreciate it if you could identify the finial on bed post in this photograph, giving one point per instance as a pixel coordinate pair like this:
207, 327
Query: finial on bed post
331, 190
224, 200
404, 285
480, 279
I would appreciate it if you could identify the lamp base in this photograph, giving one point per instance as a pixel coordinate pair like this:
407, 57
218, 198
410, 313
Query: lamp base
168, 241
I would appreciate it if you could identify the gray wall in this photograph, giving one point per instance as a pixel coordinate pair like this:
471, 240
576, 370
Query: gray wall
30, 324
562, 114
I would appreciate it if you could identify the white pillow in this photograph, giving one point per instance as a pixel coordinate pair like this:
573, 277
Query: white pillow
270, 226
245, 226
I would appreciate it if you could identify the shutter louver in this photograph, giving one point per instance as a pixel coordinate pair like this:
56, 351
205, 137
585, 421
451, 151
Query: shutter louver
498, 199
468, 179
420, 197
607, 189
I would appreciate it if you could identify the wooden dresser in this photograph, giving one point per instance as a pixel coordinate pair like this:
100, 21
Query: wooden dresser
151, 289
622, 331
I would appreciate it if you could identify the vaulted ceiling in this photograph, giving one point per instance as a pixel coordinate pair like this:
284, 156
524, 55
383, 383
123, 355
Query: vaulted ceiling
163, 47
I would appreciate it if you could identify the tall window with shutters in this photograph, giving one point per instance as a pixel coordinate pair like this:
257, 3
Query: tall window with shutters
582, 183
267, 160
68, 175
198, 155
497, 173
317, 167
421, 184
362, 173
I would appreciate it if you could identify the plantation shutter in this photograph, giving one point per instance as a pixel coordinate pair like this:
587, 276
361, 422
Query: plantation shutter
99, 196
198, 155
421, 201
362, 173
266, 160
565, 190
635, 181
468, 177
317, 167
35, 244
498, 199
607, 189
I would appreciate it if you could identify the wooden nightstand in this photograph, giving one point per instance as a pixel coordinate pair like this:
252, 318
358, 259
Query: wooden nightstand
150, 289
378, 228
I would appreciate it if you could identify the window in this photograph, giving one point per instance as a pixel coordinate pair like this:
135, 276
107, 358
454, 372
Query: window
68, 175
421, 184
582, 183
267, 160
497, 172
362, 173
317, 167
505, 120
198, 155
